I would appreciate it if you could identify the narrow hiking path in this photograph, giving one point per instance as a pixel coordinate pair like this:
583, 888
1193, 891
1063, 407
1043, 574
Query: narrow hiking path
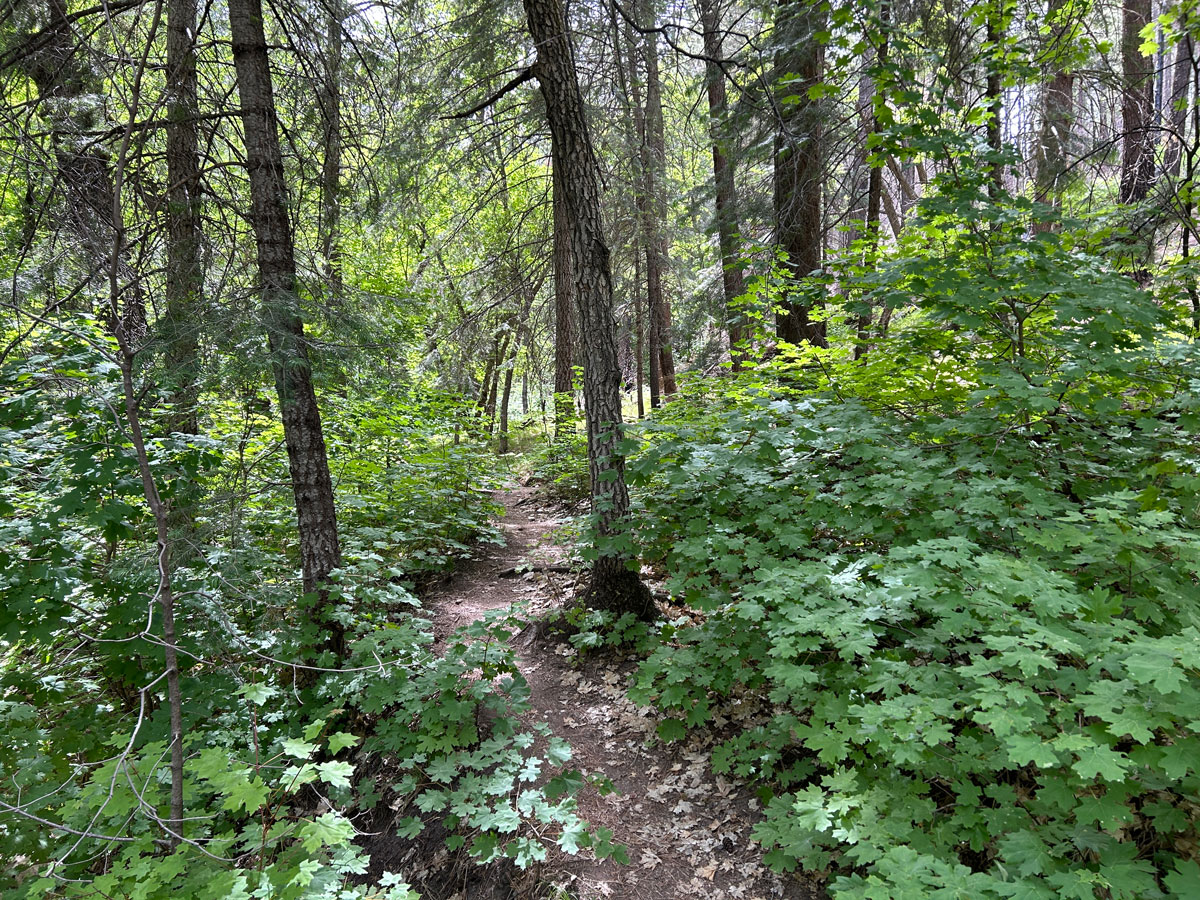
687, 830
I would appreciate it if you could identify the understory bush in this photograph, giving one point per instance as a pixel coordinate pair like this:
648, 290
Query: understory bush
278, 760
962, 571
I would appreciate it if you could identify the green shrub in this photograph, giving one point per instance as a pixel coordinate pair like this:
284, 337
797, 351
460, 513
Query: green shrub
963, 571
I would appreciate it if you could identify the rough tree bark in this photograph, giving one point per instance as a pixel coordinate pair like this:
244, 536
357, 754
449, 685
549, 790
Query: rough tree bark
657, 243
799, 168
331, 165
994, 97
614, 583
1058, 109
564, 302
643, 192
1181, 77
1137, 106
320, 552
185, 277
724, 188
875, 174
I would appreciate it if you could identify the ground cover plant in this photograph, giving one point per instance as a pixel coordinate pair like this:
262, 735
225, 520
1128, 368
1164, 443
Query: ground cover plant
962, 569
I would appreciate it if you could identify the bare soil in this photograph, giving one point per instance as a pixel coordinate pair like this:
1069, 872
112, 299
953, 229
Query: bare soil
687, 830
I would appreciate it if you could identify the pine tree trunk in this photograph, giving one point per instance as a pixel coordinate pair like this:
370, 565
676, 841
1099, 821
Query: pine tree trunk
312, 487
185, 276
614, 583
871, 224
799, 168
644, 201
1181, 77
657, 243
1058, 109
1137, 106
564, 302
331, 167
724, 188
994, 96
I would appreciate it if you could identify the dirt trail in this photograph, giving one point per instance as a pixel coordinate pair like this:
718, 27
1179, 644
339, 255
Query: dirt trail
687, 830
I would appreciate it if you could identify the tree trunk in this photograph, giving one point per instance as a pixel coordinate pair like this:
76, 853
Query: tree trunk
638, 348
185, 278
798, 164
994, 97
1058, 110
1137, 106
614, 584
331, 168
874, 178
564, 301
644, 194
316, 515
1181, 77
657, 243
732, 282
508, 379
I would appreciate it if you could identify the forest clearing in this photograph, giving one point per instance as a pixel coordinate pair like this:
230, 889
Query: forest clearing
727, 449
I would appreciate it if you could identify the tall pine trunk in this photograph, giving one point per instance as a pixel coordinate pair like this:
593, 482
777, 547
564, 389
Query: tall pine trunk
657, 242
799, 168
1058, 110
644, 193
564, 302
331, 165
614, 583
185, 277
316, 516
1137, 105
732, 283
1181, 77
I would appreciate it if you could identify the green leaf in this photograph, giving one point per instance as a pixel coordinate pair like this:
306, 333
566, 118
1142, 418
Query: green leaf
247, 793
298, 748
336, 774
341, 740
1097, 761
670, 729
328, 830
1184, 881
1155, 667
258, 694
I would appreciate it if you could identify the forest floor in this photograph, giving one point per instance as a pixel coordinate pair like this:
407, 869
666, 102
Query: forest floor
687, 830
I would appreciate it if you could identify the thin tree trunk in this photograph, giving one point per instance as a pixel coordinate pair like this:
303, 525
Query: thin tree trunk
1137, 106
644, 168
331, 168
185, 278
732, 282
874, 181
508, 380
614, 583
492, 388
1181, 77
657, 243
995, 98
564, 302
639, 349
320, 552
122, 329
799, 168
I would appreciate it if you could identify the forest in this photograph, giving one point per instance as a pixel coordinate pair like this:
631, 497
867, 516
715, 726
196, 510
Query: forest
479, 449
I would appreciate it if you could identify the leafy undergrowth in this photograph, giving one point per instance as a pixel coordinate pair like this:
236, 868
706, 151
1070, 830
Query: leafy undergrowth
275, 753
964, 571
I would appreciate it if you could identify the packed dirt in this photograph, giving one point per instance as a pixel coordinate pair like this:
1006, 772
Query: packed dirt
687, 830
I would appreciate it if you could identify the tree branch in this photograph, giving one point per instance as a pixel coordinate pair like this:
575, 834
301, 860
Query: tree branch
526, 74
